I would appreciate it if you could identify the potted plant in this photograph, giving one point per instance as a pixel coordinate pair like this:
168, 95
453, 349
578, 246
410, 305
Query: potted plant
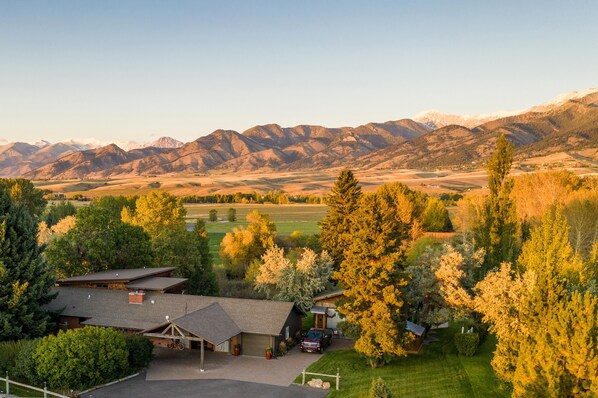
237, 350
282, 348
268, 353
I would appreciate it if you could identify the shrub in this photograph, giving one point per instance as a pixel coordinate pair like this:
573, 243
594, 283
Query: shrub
8, 351
467, 343
282, 348
379, 389
25, 368
213, 215
81, 358
140, 350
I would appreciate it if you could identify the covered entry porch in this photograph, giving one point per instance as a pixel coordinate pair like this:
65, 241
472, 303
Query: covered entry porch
209, 328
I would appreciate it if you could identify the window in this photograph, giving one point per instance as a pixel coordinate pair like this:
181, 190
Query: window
287, 333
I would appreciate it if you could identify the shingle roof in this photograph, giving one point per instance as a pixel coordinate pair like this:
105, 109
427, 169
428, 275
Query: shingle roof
155, 283
112, 308
211, 323
117, 275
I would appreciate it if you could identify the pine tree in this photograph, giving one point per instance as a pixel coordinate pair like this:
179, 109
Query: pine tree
378, 389
372, 276
202, 280
25, 279
498, 234
342, 203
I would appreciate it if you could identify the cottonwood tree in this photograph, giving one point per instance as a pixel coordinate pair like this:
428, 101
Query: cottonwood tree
298, 281
336, 225
23, 192
157, 213
581, 210
544, 316
98, 241
436, 217
25, 279
373, 277
243, 245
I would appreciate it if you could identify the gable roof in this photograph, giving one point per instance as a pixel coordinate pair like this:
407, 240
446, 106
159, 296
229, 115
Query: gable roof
117, 275
107, 307
211, 323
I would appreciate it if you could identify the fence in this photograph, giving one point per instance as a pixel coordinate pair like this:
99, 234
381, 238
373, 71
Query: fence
44, 390
337, 376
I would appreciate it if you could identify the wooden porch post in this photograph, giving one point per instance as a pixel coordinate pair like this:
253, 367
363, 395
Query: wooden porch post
201, 369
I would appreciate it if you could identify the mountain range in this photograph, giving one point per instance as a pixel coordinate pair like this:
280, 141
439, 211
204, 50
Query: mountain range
430, 140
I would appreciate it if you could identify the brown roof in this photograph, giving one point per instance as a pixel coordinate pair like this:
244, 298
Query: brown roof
212, 323
155, 283
112, 308
117, 275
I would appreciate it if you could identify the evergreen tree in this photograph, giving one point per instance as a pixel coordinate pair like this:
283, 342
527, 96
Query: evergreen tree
199, 271
373, 278
498, 234
336, 226
378, 389
24, 276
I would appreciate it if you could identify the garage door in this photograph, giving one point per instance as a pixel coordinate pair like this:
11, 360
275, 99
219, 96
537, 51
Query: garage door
254, 344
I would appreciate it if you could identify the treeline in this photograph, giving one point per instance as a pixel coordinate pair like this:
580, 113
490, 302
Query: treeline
275, 197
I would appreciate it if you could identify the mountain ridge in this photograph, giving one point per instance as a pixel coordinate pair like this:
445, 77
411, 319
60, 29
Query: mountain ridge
569, 122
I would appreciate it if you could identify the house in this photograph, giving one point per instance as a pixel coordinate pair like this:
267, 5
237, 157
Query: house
324, 309
326, 315
173, 320
152, 279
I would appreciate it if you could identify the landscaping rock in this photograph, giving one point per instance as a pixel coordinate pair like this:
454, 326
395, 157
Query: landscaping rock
316, 383
326, 386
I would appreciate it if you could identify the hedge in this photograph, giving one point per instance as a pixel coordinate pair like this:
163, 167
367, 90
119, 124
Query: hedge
467, 343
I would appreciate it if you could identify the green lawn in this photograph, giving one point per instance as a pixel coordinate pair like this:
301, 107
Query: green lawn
437, 371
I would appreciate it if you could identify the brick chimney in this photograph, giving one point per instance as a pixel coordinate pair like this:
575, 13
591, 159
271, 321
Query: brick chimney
136, 297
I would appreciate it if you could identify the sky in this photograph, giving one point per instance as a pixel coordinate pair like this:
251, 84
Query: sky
138, 70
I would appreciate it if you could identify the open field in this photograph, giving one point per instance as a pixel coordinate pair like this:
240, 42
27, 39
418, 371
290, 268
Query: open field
437, 371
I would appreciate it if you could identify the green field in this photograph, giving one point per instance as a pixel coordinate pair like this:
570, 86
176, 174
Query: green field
437, 371
287, 218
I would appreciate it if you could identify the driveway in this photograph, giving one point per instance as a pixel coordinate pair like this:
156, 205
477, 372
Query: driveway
139, 387
184, 365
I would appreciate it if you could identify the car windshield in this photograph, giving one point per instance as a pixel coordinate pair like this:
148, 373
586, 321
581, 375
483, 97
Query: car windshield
314, 334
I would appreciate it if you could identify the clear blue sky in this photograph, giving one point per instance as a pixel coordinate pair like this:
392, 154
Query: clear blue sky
137, 70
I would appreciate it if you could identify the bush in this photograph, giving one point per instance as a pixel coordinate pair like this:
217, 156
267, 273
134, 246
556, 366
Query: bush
140, 350
81, 358
25, 369
467, 343
379, 389
282, 348
213, 215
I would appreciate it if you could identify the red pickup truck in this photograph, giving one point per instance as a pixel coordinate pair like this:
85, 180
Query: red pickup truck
316, 340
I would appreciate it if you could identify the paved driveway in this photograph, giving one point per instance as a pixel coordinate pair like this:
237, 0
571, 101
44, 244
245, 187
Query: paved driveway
184, 365
139, 387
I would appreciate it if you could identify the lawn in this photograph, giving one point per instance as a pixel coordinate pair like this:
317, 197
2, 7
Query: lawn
437, 371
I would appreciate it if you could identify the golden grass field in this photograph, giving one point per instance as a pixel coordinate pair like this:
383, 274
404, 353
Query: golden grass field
303, 182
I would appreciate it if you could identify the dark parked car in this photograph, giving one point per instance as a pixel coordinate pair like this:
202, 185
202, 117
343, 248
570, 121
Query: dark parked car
316, 340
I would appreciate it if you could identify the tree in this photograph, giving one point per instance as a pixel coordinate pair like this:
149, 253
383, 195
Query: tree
470, 215
378, 389
232, 215
297, 281
544, 317
157, 213
23, 192
436, 217
372, 276
25, 279
58, 211
342, 203
99, 241
498, 236
581, 210
81, 358
189, 252
243, 245
213, 215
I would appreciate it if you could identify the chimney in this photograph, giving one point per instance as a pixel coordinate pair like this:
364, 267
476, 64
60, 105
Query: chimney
136, 297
